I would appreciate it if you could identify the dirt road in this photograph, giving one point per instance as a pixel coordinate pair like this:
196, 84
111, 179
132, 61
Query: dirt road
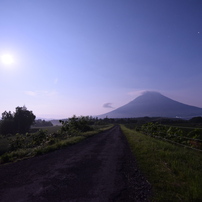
100, 168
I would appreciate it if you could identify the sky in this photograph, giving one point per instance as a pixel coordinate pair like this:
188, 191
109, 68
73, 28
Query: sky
87, 57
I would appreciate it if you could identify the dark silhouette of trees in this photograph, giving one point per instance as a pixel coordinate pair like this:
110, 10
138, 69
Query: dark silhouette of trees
42, 123
7, 124
23, 119
18, 122
197, 119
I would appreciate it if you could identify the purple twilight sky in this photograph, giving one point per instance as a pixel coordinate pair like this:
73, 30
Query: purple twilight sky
87, 57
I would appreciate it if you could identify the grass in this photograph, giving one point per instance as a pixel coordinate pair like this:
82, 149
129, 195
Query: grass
57, 144
4, 145
50, 129
174, 172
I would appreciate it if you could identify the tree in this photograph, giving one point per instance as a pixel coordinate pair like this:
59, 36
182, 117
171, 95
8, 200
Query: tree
7, 125
7, 115
42, 123
18, 122
197, 119
23, 119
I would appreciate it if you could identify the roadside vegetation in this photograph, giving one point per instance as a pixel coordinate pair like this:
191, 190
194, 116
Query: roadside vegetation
16, 146
175, 172
187, 137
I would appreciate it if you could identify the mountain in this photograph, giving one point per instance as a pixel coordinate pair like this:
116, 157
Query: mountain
154, 104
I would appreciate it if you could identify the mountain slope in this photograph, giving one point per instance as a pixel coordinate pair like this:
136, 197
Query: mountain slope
154, 104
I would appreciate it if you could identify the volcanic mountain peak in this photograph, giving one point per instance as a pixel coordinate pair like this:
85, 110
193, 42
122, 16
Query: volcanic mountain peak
152, 96
154, 104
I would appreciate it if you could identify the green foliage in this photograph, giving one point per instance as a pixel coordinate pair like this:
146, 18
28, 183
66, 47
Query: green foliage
76, 125
30, 144
196, 134
174, 172
174, 131
58, 145
15, 155
174, 134
39, 137
17, 142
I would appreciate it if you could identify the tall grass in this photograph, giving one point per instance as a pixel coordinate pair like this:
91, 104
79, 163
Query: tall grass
174, 172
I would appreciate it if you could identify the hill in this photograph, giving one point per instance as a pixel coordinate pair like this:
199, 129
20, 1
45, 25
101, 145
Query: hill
154, 104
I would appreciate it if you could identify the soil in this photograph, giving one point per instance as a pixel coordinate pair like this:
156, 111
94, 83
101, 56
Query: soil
98, 169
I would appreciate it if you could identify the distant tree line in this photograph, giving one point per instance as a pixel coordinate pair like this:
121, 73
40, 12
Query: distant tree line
197, 119
42, 123
19, 121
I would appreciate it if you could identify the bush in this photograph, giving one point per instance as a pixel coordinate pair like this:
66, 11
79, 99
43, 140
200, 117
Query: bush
17, 142
39, 137
196, 134
76, 125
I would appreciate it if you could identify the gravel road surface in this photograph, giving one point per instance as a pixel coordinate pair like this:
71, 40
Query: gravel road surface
99, 169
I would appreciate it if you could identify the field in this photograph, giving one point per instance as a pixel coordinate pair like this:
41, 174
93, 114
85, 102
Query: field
175, 172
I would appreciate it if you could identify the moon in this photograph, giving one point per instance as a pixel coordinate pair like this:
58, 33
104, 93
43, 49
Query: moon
7, 59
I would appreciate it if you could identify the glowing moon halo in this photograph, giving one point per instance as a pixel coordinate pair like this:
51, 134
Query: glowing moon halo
7, 59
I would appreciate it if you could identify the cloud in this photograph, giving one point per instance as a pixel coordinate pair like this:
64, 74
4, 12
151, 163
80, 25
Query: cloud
137, 93
107, 105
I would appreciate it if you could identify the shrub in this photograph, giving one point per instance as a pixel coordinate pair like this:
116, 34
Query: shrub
76, 125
